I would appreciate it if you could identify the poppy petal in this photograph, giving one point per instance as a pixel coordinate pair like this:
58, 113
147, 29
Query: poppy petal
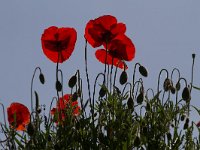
101, 56
58, 43
122, 47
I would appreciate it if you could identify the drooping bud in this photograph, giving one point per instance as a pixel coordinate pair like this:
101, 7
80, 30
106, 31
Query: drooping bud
102, 91
148, 107
143, 71
182, 117
130, 103
72, 81
167, 84
193, 56
58, 86
169, 136
123, 78
186, 94
137, 141
42, 79
140, 98
30, 129
74, 96
173, 90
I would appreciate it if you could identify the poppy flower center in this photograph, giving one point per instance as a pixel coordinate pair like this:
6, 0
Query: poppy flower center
107, 36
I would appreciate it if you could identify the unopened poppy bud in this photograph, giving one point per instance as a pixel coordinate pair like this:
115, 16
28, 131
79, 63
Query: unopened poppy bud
102, 91
140, 98
185, 126
42, 79
193, 56
123, 78
187, 120
137, 141
167, 84
186, 94
169, 136
49, 138
130, 103
30, 129
143, 71
178, 86
72, 81
74, 96
182, 117
58, 86
173, 90
148, 107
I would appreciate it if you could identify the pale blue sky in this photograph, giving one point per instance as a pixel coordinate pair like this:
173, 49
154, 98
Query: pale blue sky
165, 34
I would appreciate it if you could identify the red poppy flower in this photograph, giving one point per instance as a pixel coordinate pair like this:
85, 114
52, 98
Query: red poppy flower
63, 104
18, 116
58, 42
119, 49
102, 30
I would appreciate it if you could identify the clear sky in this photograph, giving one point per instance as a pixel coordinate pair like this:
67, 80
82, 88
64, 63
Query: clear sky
165, 34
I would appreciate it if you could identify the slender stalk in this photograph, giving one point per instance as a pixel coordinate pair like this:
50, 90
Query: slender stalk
87, 76
37, 68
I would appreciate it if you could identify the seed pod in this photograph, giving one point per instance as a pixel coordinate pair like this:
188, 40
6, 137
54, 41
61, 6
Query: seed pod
58, 86
186, 94
130, 103
42, 79
140, 98
178, 86
102, 91
123, 78
30, 129
143, 71
72, 81
137, 141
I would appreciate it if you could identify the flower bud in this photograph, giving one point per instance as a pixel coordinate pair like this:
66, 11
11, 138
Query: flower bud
137, 141
123, 78
140, 98
30, 129
102, 91
42, 79
130, 103
72, 81
143, 71
186, 94
58, 86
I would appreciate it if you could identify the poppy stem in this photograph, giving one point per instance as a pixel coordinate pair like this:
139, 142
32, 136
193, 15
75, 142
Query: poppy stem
37, 68
86, 70
106, 63
111, 74
4, 117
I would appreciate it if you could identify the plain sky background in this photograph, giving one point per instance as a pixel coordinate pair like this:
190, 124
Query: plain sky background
165, 34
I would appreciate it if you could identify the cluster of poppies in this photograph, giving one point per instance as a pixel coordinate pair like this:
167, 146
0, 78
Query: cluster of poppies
58, 45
